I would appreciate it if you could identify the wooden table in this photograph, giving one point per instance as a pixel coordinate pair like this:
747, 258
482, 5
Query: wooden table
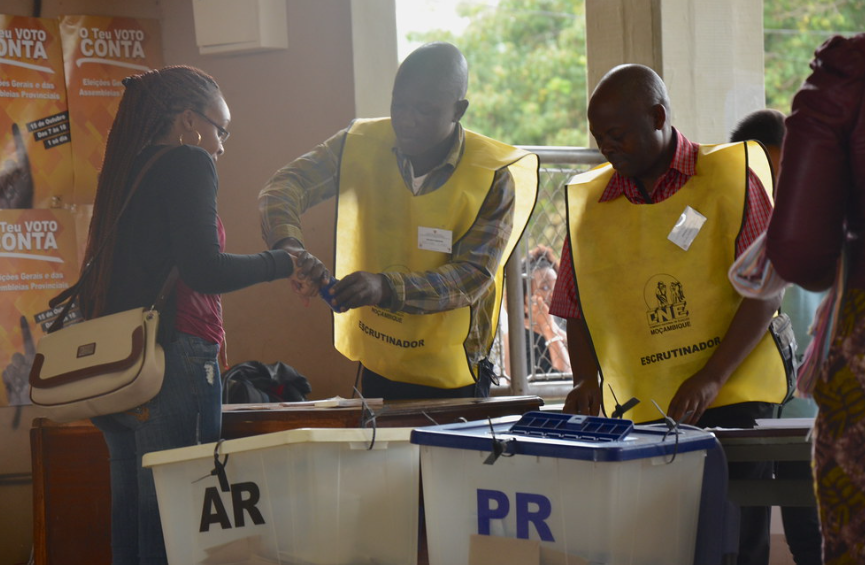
769, 444
71, 494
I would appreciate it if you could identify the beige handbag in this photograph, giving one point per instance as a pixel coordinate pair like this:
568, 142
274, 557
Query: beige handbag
101, 366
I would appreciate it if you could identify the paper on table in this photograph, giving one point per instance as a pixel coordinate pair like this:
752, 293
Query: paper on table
340, 402
785, 423
334, 402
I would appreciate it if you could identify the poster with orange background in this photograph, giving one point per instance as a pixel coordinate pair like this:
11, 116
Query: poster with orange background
98, 53
38, 260
35, 149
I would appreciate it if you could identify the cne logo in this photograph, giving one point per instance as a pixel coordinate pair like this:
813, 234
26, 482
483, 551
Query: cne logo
666, 305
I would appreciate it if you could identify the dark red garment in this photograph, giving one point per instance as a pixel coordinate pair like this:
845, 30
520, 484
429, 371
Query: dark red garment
822, 182
200, 314
820, 204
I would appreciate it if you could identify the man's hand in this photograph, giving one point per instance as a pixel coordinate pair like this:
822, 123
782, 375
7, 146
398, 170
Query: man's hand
360, 289
747, 328
584, 398
694, 396
309, 274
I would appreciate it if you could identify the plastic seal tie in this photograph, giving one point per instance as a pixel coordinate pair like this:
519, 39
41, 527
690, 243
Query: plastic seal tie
499, 447
673, 427
368, 416
620, 410
219, 468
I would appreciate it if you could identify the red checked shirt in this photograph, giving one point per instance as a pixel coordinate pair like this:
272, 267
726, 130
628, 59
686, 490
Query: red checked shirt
683, 166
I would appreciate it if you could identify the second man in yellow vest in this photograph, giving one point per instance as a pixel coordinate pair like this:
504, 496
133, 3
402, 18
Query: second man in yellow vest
427, 215
643, 280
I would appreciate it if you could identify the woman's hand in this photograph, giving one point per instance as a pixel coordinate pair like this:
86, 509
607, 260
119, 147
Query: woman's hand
542, 320
556, 337
309, 274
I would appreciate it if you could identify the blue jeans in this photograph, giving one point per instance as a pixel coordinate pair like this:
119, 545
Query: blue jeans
187, 411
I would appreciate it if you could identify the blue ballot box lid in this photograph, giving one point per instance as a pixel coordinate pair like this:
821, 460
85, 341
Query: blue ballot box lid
567, 436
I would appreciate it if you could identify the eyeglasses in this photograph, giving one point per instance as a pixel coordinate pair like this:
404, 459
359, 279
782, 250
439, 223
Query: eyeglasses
222, 133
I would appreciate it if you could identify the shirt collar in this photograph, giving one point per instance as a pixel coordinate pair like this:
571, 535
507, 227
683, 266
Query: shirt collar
447, 166
684, 163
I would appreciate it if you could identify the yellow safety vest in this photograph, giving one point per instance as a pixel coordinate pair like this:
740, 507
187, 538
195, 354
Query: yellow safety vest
656, 312
378, 221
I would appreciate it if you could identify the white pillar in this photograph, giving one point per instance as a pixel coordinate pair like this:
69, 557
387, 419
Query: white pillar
374, 46
709, 53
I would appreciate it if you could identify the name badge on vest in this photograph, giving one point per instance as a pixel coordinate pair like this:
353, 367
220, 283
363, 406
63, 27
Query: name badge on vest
434, 239
687, 227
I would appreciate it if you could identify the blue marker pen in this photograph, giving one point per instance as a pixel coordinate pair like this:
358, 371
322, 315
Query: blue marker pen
324, 291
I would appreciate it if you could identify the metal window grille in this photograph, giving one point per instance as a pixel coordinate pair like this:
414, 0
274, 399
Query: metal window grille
529, 371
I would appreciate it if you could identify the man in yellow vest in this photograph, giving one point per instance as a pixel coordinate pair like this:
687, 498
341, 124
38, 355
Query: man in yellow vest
643, 280
427, 215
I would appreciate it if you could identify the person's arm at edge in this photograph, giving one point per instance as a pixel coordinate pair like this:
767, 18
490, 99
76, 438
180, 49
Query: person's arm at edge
806, 235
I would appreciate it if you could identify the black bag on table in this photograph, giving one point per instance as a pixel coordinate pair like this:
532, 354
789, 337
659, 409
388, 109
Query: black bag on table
253, 382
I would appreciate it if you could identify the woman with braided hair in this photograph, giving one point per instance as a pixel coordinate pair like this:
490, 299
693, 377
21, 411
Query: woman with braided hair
178, 114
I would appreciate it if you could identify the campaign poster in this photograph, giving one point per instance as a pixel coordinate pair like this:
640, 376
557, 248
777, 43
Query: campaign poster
35, 149
38, 260
98, 53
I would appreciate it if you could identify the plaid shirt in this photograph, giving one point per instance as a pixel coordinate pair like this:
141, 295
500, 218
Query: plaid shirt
466, 280
759, 210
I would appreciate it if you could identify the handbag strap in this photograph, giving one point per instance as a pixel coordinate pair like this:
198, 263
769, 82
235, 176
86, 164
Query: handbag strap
166, 290
72, 292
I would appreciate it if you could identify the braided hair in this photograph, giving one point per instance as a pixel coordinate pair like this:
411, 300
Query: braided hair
146, 113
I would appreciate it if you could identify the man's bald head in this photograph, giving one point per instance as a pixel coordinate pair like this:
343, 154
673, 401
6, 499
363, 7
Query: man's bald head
428, 102
440, 63
634, 83
629, 118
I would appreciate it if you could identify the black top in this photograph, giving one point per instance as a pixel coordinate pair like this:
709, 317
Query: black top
536, 341
171, 220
